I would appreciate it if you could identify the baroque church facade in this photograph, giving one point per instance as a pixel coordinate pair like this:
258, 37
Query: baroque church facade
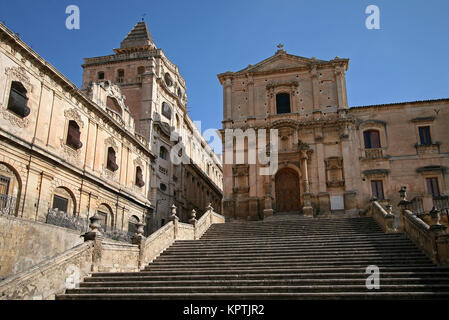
332, 158
104, 149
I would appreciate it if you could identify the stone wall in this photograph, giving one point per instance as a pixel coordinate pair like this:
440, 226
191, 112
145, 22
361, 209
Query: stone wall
119, 257
52, 277
26, 243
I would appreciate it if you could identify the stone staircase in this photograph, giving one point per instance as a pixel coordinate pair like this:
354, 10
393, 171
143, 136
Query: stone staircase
286, 257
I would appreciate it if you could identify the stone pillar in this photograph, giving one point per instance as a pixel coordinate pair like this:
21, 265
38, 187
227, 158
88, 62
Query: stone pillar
315, 88
307, 209
341, 94
139, 240
96, 237
145, 125
227, 99
175, 221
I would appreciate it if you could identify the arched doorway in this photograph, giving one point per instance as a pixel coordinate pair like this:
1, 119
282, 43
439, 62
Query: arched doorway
287, 190
10, 189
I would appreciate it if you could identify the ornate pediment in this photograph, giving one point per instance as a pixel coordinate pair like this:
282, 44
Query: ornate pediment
280, 61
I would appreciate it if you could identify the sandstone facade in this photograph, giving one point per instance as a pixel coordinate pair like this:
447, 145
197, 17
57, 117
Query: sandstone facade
332, 158
156, 94
64, 148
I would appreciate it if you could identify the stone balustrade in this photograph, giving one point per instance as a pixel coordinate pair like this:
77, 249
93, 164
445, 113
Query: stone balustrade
432, 238
97, 254
385, 218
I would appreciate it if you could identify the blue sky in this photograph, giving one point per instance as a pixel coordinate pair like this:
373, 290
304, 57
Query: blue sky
404, 61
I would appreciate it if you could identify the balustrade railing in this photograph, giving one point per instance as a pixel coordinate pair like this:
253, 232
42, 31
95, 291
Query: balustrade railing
65, 220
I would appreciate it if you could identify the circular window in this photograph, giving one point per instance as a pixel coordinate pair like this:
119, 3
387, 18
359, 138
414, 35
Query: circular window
168, 80
163, 187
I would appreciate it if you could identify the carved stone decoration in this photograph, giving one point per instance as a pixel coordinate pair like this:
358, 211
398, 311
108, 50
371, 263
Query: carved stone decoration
110, 142
334, 172
16, 74
70, 154
73, 114
19, 74
15, 120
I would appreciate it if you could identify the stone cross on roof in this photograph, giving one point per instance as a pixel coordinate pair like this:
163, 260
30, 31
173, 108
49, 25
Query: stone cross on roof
280, 46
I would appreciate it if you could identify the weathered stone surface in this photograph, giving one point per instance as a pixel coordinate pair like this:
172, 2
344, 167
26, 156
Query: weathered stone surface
26, 243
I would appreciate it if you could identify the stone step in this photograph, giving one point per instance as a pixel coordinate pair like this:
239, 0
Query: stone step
418, 295
260, 277
276, 249
414, 268
264, 296
268, 252
260, 282
259, 289
318, 256
239, 242
274, 264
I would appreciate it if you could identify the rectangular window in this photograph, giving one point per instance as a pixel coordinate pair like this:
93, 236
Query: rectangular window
372, 139
60, 203
377, 189
424, 136
432, 186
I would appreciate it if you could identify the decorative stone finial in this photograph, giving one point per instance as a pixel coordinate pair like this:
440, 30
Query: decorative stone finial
209, 207
173, 216
389, 209
435, 214
192, 219
95, 226
280, 46
403, 193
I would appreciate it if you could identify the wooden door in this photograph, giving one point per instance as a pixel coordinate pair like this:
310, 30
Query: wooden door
287, 191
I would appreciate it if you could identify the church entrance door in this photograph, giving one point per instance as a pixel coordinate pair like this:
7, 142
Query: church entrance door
287, 191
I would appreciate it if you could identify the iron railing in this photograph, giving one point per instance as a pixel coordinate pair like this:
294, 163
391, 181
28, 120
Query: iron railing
65, 220
7, 204
417, 205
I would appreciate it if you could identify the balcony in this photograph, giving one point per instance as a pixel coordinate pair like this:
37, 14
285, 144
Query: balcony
432, 148
374, 153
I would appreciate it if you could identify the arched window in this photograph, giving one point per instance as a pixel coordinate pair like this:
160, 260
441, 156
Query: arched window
372, 139
283, 103
112, 104
120, 76
132, 224
112, 159
18, 100
163, 154
74, 136
166, 110
63, 200
101, 75
139, 177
